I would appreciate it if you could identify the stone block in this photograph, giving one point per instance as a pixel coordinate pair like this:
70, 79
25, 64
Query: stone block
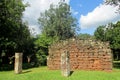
65, 64
18, 63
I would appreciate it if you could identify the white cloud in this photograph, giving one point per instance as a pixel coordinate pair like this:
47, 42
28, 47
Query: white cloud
74, 12
101, 15
32, 13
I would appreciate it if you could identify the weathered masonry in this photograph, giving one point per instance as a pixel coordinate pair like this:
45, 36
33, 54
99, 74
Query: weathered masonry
83, 55
18, 63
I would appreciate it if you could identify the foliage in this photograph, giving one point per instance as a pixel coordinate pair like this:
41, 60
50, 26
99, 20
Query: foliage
27, 66
113, 2
116, 64
41, 45
14, 34
41, 58
42, 73
9, 67
6, 67
13, 31
110, 33
85, 36
99, 33
43, 41
58, 22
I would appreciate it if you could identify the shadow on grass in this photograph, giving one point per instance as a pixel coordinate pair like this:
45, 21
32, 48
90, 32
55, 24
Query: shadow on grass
71, 72
26, 71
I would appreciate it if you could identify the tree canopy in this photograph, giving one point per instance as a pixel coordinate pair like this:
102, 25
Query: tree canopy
111, 33
12, 30
14, 34
58, 22
114, 3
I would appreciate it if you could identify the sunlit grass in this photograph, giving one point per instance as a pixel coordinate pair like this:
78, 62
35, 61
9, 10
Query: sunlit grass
42, 73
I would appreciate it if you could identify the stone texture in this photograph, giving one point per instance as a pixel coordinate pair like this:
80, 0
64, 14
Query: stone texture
18, 63
65, 65
83, 54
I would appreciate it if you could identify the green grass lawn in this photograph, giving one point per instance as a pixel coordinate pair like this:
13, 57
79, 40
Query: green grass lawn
42, 73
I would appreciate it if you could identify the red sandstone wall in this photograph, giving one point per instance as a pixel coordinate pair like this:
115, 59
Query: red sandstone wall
84, 55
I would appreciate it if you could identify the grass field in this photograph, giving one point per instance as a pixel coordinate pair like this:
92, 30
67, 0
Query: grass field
43, 73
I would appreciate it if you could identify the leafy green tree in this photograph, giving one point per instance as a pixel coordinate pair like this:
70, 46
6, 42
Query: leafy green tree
58, 22
41, 45
14, 34
113, 36
110, 33
11, 25
100, 33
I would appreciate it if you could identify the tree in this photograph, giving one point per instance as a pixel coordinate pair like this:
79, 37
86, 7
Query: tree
10, 20
110, 33
113, 2
58, 22
41, 45
100, 33
14, 34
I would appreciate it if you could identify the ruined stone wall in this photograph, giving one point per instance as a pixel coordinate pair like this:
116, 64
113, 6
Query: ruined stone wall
84, 55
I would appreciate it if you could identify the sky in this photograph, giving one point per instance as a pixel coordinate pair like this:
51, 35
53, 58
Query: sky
89, 13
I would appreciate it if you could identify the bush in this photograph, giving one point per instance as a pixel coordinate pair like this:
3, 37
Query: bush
116, 64
28, 65
41, 60
7, 67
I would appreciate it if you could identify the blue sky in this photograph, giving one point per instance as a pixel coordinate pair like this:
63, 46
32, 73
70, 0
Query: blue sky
82, 7
89, 13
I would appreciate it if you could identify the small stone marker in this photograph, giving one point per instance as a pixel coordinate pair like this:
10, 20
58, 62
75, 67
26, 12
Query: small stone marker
18, 63
65, 64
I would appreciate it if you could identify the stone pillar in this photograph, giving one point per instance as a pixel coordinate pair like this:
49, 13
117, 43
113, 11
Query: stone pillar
18, 63
65, 64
